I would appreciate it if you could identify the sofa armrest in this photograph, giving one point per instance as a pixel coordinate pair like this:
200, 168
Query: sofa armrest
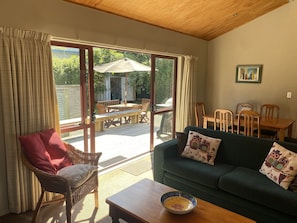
161, 152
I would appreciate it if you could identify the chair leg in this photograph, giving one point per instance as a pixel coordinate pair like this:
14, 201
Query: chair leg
96, 197
37, 209
68, 209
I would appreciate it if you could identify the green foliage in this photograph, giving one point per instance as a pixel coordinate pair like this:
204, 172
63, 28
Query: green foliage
66, 69
141, 80
163, 79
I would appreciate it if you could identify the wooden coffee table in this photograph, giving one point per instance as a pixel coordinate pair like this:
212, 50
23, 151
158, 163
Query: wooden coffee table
141, 203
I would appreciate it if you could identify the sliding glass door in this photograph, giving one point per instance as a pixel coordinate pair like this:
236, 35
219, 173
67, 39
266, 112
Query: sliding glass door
83, 88
163, 91
73, 71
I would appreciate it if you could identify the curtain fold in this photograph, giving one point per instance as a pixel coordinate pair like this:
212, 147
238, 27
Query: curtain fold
28, 104
186, 92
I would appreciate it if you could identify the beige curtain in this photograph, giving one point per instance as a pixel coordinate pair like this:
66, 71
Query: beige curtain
28, 104
186, 92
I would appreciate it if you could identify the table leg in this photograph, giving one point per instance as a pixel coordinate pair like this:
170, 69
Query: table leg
98, 125
290, 128
117, 213
114, 214
134, 119
114, 220
281, 135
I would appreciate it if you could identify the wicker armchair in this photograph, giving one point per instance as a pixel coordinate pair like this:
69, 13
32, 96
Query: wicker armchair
62, 185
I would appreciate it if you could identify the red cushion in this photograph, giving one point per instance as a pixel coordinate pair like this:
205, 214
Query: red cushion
56, 148
36, 153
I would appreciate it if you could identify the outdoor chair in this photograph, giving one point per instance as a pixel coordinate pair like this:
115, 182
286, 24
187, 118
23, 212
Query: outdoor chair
143, 115
60, 168
101, 109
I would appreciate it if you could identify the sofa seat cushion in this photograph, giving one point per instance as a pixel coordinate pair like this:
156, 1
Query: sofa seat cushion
198, 172
254, 186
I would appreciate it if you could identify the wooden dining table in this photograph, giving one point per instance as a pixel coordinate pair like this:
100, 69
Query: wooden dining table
278, 124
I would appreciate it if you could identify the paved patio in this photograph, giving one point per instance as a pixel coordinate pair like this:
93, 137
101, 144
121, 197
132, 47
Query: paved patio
122, 143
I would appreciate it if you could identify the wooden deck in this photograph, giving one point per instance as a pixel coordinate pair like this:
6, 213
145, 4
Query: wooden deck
120, 144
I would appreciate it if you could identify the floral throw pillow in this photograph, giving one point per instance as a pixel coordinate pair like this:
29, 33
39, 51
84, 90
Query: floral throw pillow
201, 148
280, 165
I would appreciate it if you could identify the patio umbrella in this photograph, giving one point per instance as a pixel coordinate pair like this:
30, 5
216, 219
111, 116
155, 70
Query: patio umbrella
125, 66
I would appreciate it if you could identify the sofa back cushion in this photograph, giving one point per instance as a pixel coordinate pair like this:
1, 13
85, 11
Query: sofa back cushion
241, 150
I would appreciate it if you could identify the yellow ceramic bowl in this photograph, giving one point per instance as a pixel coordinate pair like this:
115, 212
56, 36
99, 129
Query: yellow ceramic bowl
178, 202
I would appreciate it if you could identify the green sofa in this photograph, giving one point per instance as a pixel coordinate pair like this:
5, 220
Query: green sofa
234, 182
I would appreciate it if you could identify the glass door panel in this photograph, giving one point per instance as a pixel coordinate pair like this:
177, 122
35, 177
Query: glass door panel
163, 106
72, 67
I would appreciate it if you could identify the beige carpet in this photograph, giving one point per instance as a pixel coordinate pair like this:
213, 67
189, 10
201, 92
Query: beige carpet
138, 167
84, 211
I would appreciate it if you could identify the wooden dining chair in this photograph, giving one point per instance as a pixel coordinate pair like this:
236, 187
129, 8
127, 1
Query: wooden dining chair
199, 113
248, 123
223, 120
269, 111
243, 106
101, 109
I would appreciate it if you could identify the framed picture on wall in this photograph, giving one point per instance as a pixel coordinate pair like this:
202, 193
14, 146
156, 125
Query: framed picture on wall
249, 73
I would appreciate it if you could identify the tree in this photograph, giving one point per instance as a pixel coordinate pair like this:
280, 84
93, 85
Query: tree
66, 70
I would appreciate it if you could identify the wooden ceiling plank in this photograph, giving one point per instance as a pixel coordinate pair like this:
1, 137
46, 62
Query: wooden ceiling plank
204, 19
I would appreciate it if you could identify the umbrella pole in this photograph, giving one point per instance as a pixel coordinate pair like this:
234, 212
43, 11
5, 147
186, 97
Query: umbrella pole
126, 88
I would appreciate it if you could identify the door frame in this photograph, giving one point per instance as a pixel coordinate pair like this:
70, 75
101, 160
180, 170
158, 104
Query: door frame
86, 92
154, 111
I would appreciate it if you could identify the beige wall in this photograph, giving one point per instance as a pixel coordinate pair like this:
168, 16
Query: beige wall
70, 21
269, 40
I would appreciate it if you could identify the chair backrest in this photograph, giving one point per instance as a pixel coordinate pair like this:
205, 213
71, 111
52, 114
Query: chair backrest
101, 108
199, 113
223, 120
269, 111
247, 122
145, 106
244, 106
144, 100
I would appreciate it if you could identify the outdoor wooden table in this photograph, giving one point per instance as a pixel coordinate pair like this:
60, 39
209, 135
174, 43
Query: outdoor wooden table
123, 106
141, 202
278, 124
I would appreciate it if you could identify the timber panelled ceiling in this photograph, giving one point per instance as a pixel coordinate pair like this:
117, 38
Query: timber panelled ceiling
205, 19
